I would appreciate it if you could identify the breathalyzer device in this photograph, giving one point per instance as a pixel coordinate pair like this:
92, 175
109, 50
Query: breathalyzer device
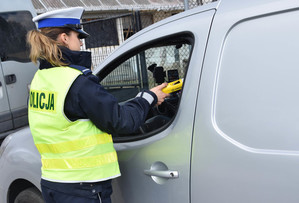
173, 86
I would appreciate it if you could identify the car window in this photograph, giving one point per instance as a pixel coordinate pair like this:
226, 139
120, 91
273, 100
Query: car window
13, 29
147, 66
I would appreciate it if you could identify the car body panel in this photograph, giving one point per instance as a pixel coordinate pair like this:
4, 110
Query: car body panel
229, 166
19, 161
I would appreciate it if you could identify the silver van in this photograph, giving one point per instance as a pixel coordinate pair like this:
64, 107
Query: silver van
16, 69
229, 135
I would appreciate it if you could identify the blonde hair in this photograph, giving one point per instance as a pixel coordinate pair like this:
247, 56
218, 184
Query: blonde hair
44, 45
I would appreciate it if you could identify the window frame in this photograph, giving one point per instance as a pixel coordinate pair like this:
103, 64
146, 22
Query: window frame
118, 60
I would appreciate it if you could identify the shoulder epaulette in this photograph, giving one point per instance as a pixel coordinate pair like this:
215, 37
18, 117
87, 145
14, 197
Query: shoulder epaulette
84, 70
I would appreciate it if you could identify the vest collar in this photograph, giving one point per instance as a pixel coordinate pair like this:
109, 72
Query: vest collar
81, 58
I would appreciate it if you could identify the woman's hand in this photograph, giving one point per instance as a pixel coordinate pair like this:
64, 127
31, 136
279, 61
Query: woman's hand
160, 95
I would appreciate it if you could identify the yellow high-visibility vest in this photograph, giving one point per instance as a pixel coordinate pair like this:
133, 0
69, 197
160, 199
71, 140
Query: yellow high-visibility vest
70, 151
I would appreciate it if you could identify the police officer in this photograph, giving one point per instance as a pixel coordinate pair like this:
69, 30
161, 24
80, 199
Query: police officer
71, 116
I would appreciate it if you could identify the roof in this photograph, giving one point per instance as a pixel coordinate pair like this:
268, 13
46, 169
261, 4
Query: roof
42, 6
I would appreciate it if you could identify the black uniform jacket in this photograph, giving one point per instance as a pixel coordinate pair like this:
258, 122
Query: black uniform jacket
87, 99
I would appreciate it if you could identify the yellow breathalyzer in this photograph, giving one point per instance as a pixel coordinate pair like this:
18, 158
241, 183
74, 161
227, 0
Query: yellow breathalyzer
173, 86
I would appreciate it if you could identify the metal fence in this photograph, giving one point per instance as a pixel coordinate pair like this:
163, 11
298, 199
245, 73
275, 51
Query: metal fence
107, 34
194, 3
149, 67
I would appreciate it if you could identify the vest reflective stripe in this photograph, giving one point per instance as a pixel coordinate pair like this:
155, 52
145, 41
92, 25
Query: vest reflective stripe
76, 163
70, 151
72, 175
73, 145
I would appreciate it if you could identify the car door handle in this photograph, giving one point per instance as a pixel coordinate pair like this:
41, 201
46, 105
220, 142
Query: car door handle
1, 90
162, 174
9, 79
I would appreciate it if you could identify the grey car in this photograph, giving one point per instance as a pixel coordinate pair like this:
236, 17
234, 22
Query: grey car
229, 135
16, 69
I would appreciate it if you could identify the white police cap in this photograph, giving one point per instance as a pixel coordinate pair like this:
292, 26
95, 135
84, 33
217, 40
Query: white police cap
68, 17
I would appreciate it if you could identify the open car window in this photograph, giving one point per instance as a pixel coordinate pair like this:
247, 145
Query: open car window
146, 66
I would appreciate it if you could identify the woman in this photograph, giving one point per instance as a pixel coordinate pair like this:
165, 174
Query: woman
71, 116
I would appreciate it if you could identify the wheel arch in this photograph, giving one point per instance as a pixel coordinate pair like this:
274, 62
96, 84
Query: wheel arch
16, 187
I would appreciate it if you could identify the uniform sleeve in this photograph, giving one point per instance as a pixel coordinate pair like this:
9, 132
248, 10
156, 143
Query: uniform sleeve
88, 99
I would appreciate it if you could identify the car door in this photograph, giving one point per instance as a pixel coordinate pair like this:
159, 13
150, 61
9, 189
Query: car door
16, 69
155, 161
5, 114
